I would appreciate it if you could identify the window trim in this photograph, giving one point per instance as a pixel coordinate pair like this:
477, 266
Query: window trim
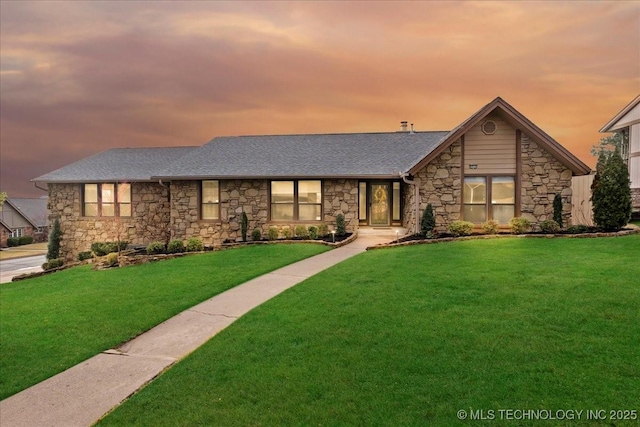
296, 202
201, 202
116, 203
488, 196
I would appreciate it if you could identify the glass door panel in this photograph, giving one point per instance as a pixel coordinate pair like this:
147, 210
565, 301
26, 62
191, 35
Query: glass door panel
380, 204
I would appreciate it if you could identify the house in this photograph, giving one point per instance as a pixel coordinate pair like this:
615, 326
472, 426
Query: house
627, 123
24, 217
495, 165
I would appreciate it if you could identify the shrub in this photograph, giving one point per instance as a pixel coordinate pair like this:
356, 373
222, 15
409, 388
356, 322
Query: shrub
52, 263
25, 240
313, 232
323, 230
578, 229
256, 235
301, 231
519, 225
153, 248
272, 233
112, 259
287, 233
491, 227
557, 209
175, 246
611, 192
341, 227
84, 255
549, 226
428, 222
53, 248
13, 241
244, 224
461, 228
194, 245
103, 248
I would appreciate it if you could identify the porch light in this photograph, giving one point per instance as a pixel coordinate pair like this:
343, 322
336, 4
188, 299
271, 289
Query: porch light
333, 234
397, 234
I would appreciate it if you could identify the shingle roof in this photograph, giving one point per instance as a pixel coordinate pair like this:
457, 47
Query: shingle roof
117, 164
35, 210
325, 155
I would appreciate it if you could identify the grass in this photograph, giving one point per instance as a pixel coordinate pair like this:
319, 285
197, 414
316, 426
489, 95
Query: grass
51, 323
412, 335
24, 251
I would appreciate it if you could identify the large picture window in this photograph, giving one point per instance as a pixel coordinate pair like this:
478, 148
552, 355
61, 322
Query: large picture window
296, 200
489, 197
210, 196
107, 199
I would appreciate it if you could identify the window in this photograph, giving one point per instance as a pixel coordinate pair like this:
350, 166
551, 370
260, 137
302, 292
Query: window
362, 200
296, 200
396, 201
210, 193
108, 199
17, 232
489, 198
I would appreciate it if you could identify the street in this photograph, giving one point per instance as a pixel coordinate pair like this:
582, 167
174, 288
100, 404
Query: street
15, 267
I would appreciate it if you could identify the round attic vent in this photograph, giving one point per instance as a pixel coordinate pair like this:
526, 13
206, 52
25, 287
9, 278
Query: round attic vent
489, 127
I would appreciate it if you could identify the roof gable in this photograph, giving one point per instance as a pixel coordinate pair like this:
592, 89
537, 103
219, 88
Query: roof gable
14, 210
627, 116
518, 121
33, 209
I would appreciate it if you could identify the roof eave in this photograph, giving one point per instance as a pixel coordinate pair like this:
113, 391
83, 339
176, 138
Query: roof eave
394, 175
609, 126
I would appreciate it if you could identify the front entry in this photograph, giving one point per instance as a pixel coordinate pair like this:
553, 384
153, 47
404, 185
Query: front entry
380, 205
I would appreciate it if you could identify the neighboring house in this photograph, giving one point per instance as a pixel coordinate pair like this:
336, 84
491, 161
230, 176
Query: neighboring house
25, 217
5, 233
494, 165
627, 123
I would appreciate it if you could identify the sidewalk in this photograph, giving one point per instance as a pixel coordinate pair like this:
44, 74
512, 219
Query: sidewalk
82, 394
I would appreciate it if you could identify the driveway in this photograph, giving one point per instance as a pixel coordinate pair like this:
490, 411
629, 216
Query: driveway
15, 267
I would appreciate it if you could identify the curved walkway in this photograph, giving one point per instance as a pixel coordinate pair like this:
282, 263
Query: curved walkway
84, 393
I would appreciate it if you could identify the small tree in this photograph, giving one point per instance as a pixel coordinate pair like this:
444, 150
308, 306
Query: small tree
53, 248
341, 228
3, 197
557, 209
428, 222
611, 192
244, 225
608, 146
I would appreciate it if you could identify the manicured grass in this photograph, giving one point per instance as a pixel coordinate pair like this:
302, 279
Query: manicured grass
409, 336
53, 322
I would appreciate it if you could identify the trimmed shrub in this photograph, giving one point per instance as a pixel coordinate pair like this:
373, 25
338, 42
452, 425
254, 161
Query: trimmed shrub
154, 248
313, 232
85, 255
287, 233
244, 225
25, 240
301, 231
112, 259
341, 227
323, 230
272, 233
491, 227
519, 225
461, 228
52, 263
13, 241
549, 226
611, 192
578, 229
557, 209
428, 222
175, 246
53, 248
256, 235
104, 248
194, 245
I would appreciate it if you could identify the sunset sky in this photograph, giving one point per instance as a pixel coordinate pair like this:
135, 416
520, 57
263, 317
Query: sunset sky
81, 77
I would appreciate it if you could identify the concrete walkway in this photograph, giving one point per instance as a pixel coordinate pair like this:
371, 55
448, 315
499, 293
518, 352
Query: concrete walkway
84, 393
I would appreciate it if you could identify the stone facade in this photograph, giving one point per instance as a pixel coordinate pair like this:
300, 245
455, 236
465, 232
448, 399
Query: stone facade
341, 197
542, 178
149, 219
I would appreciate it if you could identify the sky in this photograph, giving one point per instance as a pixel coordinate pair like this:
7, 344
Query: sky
77, 78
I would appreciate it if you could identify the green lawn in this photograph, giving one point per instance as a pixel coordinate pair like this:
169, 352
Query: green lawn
51, 323
410, 336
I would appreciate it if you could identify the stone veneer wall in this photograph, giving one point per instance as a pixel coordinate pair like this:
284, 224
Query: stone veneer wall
341, 197
542, 177
149, 220
440, 184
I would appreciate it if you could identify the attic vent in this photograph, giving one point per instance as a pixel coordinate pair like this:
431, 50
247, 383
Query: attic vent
489, 127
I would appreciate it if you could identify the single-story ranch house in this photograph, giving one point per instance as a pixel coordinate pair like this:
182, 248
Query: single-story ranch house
495, 165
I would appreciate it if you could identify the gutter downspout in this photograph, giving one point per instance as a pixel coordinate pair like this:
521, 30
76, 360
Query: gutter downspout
40, 188
416, 198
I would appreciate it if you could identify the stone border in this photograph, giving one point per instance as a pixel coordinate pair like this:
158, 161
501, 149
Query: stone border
626, 232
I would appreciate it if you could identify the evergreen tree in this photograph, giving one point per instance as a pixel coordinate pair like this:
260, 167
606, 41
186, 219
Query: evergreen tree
341, 227
611, 192
557, 209
428, 222
53, 248
244, 225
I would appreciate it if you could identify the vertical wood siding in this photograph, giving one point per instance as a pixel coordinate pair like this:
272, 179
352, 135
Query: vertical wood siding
581, 208
493, 154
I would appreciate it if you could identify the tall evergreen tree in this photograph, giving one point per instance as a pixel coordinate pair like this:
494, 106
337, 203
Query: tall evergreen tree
53, 248
611, 192
557, 209
428, 222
